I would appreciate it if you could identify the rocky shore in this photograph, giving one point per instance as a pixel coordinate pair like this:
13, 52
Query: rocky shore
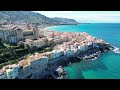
91, 54
56, 70
68, 48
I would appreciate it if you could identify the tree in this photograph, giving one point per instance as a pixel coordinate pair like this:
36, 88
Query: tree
28, 48
1, 44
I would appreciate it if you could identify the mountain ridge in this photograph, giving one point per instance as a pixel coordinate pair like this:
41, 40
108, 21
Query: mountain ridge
32, 17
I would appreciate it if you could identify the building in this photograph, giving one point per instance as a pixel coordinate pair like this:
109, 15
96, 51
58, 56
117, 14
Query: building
31, 34
50, 41
11, 35
28, 34
38, 64
12, 71
2, 74
68, 53
34, 43
55, 54
57, 40
9, 72
32, 64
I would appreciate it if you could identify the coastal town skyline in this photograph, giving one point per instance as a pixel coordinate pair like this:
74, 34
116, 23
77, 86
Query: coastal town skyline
38, 46
86, 16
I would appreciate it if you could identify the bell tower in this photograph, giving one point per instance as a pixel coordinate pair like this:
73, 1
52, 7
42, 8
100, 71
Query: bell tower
27, 26
35, 31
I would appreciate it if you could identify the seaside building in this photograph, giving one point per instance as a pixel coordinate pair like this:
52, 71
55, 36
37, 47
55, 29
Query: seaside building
32, 64
57, 54
77, 42
11, 35
2, 74
9, 72
14, 34
12, 72
28, 43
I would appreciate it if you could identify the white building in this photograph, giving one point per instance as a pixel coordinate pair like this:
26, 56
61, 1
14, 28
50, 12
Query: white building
68, 52
12, 71
2, 74
81, 48
39, 64
55, 54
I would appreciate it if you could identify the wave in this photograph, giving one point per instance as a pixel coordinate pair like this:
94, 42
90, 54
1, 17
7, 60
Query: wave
116, 50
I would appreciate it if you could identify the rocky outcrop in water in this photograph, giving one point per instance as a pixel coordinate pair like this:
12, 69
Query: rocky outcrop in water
61, 72
55, 67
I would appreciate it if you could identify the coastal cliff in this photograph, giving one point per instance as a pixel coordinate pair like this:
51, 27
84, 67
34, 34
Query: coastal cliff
69, 48
90, 52
53, 65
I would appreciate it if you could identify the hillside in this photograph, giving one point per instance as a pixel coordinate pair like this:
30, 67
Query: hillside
32, 17
65, 20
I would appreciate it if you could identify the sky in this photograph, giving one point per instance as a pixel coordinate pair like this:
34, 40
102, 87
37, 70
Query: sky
86, 16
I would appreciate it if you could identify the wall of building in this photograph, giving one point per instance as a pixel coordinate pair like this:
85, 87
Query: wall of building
55, 54
37, 65
35, 43
14, 35
3, 76
11, 36
29, 37
19, 35
24, 72
36, 33
12, 73
2, 34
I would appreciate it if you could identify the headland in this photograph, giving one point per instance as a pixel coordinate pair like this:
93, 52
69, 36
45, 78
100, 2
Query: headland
67, 47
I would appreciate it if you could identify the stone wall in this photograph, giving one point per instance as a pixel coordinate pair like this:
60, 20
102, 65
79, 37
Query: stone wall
11, 36
37, 65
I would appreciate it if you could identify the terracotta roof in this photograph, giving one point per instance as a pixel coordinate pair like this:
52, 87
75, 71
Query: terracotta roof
13, 65
23, 63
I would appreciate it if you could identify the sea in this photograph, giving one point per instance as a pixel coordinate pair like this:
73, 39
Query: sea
107, 65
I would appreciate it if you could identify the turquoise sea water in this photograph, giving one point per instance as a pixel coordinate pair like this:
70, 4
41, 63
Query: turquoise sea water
107, 65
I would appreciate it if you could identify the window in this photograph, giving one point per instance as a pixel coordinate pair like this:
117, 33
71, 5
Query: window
10, 73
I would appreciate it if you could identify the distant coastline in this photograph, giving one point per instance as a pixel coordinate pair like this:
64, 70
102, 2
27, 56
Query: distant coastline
49, 26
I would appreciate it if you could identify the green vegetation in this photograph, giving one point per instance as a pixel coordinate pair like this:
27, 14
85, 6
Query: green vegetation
10, 54
65, 20
1, 44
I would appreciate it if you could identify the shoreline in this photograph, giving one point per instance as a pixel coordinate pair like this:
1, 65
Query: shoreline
46, 28
67, 61
91, 49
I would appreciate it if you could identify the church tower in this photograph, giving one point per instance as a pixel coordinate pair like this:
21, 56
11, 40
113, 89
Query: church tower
28, 26
35, 31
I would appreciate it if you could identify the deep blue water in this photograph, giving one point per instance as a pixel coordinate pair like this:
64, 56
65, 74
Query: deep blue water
107, 65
